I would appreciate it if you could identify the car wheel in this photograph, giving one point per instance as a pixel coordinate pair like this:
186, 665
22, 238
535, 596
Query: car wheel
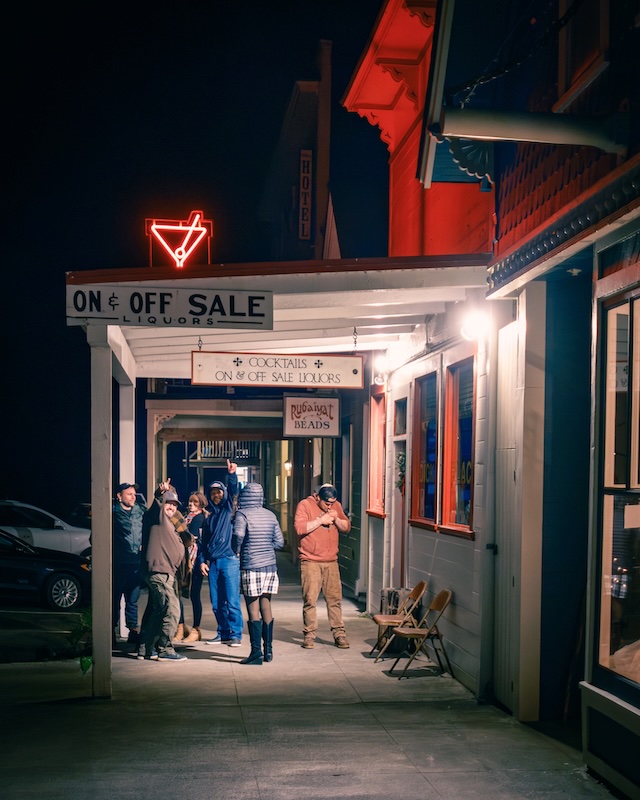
63, 593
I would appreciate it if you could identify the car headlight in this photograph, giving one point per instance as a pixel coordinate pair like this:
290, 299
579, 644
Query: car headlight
86, 565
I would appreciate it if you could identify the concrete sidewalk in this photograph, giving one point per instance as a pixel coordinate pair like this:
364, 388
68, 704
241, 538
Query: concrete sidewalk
322, 723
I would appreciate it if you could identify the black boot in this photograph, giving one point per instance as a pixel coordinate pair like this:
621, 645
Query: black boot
267, 638
255, 630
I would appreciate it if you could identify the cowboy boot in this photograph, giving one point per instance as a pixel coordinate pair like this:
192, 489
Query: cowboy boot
255, 631
267, 639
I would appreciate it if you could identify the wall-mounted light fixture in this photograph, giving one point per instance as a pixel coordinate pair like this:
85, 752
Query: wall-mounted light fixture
381, 370
288, 466
476, 325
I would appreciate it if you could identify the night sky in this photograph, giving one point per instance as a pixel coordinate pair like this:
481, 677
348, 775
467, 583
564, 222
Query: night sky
122, 111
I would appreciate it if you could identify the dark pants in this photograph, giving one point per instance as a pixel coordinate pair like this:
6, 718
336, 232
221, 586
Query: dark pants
126, 581
160, 625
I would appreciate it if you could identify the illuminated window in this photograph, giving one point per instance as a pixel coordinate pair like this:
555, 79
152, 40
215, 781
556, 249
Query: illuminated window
619, 634
457, 473
377, 433
425, 472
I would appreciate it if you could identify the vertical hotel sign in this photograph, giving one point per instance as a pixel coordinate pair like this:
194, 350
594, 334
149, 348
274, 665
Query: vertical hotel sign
304, 205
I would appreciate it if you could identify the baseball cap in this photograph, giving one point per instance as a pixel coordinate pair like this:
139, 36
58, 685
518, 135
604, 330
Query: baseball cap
124, 486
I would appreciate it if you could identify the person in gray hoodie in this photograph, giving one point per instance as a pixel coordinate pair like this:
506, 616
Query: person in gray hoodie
256, 537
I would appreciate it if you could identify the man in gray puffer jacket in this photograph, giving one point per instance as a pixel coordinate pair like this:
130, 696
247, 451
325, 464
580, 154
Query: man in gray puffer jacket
256, 537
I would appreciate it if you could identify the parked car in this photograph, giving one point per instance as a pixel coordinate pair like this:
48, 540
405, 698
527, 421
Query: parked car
60, 581
42, 529
80, 516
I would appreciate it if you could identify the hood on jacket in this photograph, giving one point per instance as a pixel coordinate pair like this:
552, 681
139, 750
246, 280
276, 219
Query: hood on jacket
217, 485
252, 496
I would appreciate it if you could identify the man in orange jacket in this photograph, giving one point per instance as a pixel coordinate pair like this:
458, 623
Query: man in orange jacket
319, 521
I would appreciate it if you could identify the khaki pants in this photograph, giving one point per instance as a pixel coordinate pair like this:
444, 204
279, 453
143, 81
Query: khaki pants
324, 576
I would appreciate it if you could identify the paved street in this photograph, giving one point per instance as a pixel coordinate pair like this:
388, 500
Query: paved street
322, 723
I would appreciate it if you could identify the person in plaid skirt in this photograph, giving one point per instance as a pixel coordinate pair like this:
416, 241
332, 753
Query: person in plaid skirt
256, 537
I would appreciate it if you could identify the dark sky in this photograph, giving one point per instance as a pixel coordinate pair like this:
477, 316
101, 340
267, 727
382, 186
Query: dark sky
122, 111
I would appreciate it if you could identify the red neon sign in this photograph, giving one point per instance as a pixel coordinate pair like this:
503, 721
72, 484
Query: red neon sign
180, 237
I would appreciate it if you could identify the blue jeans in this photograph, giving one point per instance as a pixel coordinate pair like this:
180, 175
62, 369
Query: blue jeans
224, 590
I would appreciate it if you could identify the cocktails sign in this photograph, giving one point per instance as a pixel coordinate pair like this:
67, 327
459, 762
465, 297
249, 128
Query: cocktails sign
276, 369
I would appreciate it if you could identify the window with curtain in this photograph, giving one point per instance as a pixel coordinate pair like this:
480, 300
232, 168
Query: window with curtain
377, 451
425, 472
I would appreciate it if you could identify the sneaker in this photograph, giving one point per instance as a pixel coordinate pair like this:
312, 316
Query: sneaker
234, 642
342, 643
171, 657
217, 640
309, 642
141, 654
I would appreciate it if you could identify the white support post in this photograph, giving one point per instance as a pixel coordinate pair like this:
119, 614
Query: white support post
101, 494
531, 383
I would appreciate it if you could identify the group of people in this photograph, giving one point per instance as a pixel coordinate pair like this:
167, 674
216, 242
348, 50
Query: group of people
230, 539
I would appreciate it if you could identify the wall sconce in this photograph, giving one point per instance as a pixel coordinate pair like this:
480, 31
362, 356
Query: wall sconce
381, 368
288, 466
476, 325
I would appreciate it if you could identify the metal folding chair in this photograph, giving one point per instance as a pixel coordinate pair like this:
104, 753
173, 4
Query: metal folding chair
426, 631
403, 617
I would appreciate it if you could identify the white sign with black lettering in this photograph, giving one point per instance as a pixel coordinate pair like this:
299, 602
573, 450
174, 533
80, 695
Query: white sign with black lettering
169, 307
274, 369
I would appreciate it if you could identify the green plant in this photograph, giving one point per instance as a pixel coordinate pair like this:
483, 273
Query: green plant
81, 638
401, 464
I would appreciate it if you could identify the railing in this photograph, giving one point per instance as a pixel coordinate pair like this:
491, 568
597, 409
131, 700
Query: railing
230, 450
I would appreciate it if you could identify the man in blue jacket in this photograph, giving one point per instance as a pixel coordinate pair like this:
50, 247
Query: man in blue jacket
220, 563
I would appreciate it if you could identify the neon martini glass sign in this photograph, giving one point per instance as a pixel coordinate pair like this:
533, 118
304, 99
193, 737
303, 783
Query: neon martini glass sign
180, 237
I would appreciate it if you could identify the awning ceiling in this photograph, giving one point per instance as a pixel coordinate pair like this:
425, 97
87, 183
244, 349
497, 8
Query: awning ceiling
317, 305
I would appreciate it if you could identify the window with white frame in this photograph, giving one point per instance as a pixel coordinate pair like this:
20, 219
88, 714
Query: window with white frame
619, 638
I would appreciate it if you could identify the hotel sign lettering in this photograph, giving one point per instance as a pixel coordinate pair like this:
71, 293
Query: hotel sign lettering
272, 369
169, 307
304, 213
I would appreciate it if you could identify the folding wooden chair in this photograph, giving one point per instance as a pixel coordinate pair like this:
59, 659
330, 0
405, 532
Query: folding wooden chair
426, 630
403, 616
